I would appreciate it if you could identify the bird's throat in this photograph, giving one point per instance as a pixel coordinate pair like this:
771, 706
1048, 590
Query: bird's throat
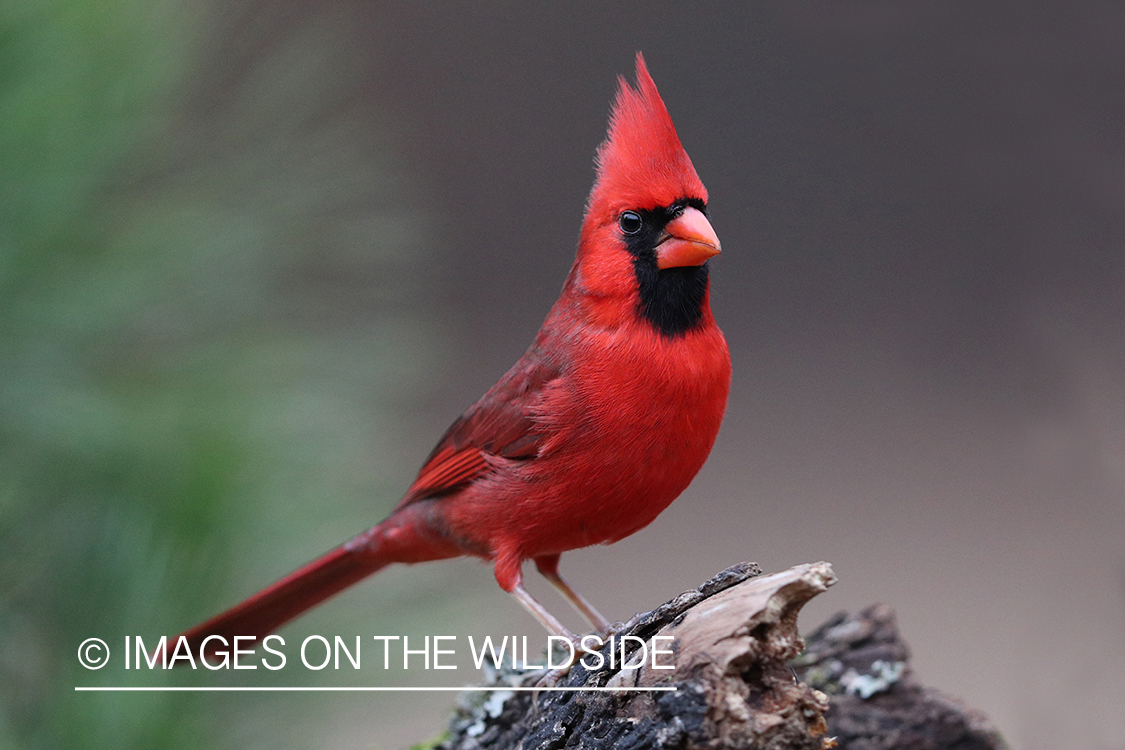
671, 299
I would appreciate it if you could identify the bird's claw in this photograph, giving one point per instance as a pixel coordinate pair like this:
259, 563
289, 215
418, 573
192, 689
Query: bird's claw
552, 677
620, 628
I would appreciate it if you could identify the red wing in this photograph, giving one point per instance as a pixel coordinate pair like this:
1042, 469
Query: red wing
499, 424
447, 470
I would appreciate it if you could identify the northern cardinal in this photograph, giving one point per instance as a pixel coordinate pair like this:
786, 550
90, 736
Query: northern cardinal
601, 423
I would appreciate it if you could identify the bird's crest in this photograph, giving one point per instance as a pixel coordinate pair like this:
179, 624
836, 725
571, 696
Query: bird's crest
642, 164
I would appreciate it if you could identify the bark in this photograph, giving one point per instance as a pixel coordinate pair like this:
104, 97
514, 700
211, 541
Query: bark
737, 666
862, 663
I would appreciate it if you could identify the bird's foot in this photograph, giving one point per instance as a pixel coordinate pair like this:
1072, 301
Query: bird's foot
552, 677
573, 653
618, 627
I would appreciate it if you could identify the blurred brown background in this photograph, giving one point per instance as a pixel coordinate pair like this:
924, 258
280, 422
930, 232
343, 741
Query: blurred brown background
922, 281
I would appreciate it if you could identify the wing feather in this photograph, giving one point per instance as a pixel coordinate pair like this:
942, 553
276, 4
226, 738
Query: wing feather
501, 423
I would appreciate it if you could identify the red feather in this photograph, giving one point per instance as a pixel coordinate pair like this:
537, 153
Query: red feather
598, 427
642, 164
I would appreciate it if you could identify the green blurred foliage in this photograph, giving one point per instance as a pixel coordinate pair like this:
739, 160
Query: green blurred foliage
202, 286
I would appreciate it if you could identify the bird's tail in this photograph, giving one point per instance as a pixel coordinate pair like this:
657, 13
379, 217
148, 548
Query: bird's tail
404, 537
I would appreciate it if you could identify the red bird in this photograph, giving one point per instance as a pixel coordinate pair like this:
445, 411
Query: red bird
597, 428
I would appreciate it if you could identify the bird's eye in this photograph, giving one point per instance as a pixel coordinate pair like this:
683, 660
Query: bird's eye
630, 222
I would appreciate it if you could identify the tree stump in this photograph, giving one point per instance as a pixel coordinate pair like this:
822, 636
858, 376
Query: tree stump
737, 667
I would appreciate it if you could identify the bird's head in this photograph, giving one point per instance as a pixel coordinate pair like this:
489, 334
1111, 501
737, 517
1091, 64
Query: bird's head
645, 238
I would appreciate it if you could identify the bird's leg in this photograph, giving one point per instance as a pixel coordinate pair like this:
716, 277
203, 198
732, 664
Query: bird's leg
549, 621
540, 613
549, 566
510, 577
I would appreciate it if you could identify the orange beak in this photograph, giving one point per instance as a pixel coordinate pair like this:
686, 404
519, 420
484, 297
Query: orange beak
688, 240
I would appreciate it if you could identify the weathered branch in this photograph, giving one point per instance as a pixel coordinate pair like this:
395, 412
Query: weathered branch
736, 671
732, 639
861, 662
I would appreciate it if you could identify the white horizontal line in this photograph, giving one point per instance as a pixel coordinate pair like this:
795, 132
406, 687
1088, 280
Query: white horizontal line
468, 689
